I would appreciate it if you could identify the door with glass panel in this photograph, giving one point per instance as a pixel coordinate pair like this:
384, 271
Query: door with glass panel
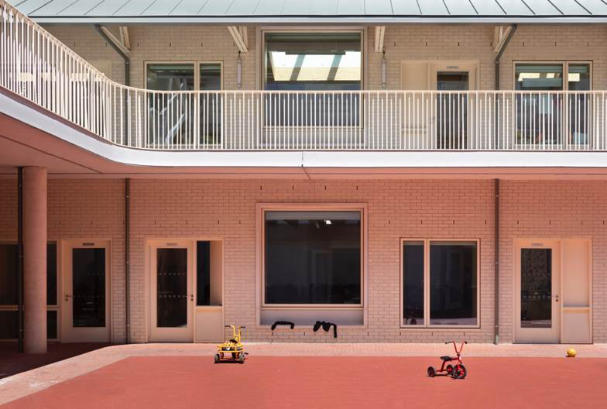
172, 293
537, 291
85, 302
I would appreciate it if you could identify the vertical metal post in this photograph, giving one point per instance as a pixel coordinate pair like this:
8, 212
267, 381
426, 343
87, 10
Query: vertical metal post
127, 242
20, 282
497, 261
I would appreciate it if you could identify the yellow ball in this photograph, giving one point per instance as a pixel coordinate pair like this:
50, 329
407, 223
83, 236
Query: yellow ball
571, 353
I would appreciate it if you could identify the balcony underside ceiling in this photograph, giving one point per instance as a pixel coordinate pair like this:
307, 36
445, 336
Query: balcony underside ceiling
30, 136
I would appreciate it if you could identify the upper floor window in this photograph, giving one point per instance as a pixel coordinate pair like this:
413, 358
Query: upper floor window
171, 115
313, 61
544, 115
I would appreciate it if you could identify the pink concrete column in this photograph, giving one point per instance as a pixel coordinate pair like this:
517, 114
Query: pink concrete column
34, 259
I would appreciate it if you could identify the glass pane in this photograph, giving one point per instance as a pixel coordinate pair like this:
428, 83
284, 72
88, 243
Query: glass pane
536, 288
172, 288
413, 283
203, 273
88, 287
170, 77
8, 274
539, 115
579, 104
51, 274
313, 258
51, 324
168, 114
452, 110
453, 283
312, 61
9, 324
211, 104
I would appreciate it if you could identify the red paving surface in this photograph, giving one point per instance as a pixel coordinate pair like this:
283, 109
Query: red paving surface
12, 362
334, 383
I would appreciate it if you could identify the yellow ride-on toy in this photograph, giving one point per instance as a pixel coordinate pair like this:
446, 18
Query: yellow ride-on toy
232, 350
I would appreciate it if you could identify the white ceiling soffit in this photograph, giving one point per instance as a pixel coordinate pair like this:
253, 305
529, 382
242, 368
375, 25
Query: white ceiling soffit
313, 11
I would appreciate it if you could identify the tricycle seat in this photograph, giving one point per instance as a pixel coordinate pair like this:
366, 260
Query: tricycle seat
447, 358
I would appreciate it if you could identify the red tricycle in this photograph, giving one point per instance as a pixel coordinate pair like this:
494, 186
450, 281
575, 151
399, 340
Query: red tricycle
453, 367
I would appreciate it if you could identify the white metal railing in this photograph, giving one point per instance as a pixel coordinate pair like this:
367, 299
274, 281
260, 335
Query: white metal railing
41, 69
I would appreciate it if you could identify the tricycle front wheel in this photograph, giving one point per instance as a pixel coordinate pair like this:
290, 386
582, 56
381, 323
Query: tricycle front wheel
459, 371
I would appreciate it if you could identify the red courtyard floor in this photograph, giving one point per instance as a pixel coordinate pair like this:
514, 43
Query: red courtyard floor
328, 382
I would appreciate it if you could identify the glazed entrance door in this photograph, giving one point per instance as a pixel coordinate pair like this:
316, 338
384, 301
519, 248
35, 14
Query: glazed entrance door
85, 302
537, 291
172, 292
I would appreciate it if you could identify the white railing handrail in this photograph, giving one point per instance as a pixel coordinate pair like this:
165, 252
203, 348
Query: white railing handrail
40, 68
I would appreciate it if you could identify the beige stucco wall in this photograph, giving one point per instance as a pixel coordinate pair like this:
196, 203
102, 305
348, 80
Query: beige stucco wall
402, 42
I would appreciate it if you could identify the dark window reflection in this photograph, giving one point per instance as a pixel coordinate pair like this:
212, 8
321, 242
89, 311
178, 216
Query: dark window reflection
313, 258
211, 104
8, 274
88, 287
452, 110
413, 283
51, 324
203, 273
536, 288
9, 324
172, 284
453, 284
51, 274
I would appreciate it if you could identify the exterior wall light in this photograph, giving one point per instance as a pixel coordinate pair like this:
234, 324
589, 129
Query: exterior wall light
239, 71
383, 70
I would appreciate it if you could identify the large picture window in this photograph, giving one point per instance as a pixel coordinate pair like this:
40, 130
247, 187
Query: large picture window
440, 283
312, 61
312, 257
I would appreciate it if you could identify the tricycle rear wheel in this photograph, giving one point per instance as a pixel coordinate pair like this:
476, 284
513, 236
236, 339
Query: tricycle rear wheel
431, 372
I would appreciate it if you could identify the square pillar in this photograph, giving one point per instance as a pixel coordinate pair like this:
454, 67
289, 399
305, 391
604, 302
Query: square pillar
34, 259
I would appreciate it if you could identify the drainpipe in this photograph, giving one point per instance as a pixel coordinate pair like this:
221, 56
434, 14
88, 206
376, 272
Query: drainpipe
20, 282
496, 239
127, 61
498, 58
127, 243
497, 261
500, 52
127, 188
127, 73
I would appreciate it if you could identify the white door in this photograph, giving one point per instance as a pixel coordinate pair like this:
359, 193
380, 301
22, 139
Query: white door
172, 291
537, 291
85, 301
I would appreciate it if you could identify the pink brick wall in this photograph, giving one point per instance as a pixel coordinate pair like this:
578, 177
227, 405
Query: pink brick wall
191, 208
226, 209
553, 209
80, 209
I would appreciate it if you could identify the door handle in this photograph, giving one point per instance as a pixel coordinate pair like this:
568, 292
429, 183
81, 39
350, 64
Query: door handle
67, 297
556, 298
191, 297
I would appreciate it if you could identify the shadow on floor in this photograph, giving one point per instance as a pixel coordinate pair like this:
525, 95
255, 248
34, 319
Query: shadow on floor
13, 362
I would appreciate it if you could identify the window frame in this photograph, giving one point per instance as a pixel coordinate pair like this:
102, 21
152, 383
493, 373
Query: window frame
564, 63
427, 242
49, 307
262, 208
196, 67
306, 29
